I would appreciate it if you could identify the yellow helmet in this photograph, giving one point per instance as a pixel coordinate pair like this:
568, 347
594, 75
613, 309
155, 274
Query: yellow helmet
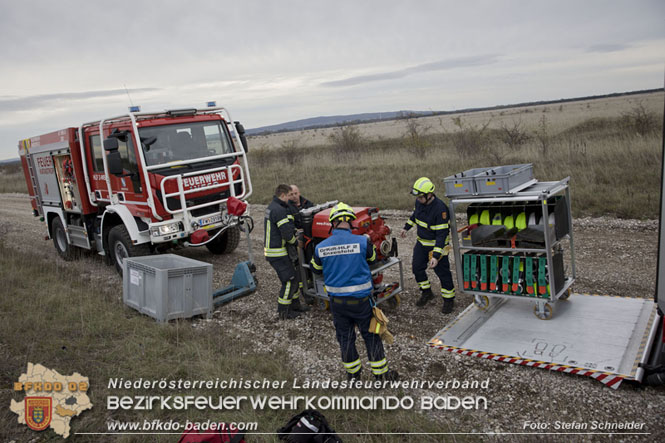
422, 186
342, 211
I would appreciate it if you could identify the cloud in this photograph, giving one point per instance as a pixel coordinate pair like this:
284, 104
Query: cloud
608, 47
441, 65
9, 103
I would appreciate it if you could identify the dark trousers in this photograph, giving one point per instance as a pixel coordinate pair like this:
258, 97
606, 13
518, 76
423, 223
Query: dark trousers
345, 318
287, 274
421, 256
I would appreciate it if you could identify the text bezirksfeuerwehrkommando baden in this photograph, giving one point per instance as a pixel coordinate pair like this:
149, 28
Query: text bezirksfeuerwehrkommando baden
233, 401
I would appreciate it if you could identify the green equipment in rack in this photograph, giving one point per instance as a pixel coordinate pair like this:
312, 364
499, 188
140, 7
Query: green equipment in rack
505, 274
467, 271
543, 284
494, 273
483, 271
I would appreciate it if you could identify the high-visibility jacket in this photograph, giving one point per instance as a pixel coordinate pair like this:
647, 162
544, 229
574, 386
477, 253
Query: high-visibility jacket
279, 229
344, 259
432, 222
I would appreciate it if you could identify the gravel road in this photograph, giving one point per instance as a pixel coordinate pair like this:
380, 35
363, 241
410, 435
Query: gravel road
614, 257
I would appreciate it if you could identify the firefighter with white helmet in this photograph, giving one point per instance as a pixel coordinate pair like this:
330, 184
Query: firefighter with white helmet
430, 217
344, 260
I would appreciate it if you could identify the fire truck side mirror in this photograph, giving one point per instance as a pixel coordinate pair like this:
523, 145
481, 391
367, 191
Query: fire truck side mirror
113, 159
111, 144
241, 133
114, 162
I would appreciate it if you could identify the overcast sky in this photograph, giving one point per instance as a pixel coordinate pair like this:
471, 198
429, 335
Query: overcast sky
68, 62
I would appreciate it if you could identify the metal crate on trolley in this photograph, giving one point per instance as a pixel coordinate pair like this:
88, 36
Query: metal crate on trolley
518, 239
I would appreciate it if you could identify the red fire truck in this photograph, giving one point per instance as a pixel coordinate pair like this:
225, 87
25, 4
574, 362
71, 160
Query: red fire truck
140, 183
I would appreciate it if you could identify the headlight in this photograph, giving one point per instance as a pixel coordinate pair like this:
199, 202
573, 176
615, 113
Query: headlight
171, 228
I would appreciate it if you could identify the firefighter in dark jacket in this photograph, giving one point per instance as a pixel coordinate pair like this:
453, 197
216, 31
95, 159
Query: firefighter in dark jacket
298, 200
431, 250
296, 203
344, 259
280, 231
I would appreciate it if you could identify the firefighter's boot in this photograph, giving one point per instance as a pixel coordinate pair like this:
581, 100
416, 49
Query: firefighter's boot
298, 307
425, 296
388, 376
286, 313
354, 376
448, 305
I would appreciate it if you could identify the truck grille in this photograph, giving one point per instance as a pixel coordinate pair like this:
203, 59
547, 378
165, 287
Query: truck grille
174, 203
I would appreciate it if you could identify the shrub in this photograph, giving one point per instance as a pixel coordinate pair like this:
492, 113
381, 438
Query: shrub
291, 151
347, 140
640, 120
513, 135
414, 137
469, 140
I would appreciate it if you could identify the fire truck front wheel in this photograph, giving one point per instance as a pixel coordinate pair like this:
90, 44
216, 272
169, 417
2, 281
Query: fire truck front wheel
121, 246
65, 250
226, 242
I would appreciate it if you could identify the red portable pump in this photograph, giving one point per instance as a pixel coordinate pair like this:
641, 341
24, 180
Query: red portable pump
316, 227
367, 222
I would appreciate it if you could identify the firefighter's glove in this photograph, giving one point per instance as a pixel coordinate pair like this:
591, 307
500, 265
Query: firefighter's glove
379, 325
446, 250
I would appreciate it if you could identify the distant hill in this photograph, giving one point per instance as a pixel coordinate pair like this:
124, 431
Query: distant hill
335, 120
10, 161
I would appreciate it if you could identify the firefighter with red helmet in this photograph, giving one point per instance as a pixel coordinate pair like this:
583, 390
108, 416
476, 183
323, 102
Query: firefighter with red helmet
344, 260
280, 231
430, 217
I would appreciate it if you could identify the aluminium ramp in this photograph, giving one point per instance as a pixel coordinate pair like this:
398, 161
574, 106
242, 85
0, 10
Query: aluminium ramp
603, 337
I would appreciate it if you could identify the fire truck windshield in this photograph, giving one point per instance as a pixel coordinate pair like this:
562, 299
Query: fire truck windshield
184, 141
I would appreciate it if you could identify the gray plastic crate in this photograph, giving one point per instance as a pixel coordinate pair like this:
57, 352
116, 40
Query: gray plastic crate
167, 286
503, 179
462, 183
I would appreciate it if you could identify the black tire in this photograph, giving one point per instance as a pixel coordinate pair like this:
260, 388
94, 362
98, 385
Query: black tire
121, 246
226, 242
65, 250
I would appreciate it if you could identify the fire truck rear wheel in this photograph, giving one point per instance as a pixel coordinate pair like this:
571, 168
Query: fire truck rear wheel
121, 246
65, 250
226, 242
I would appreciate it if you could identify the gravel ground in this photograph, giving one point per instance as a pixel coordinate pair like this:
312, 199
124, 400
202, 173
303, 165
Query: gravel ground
614, 257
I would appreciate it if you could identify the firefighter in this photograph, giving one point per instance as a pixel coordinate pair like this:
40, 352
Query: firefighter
280, 231
430, 252
298, 200
296, 203
344, 259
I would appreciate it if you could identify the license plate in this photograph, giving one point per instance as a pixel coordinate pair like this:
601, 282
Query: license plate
210, 220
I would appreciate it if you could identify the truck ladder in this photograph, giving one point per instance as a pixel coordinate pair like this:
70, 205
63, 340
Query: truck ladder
35, 185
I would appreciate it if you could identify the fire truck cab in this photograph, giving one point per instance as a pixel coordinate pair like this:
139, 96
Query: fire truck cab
140, 183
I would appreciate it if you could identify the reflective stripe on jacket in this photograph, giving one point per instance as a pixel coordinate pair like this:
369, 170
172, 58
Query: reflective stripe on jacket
279, 229
432, 225
344, 259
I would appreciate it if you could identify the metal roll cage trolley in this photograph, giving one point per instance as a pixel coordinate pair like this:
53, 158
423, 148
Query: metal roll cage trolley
496, 262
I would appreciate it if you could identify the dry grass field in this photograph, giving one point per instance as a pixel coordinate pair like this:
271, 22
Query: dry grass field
611, 149
560, 117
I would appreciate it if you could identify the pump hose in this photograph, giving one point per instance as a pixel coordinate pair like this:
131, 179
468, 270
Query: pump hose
246, 219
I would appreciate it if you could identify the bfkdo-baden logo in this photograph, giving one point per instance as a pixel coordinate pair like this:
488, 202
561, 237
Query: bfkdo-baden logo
38, 412
51, 399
